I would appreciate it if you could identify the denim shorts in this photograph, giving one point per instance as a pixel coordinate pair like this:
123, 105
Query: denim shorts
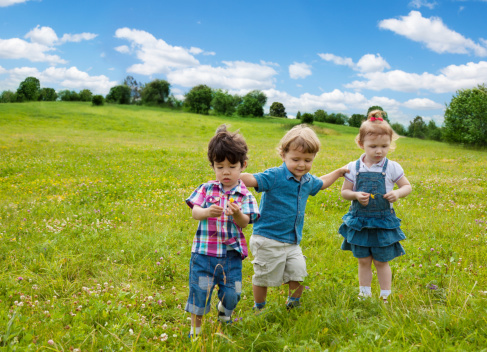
205, 272
381, 254
276, 262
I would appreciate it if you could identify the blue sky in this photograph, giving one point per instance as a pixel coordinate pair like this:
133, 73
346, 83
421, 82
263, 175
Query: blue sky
410, 57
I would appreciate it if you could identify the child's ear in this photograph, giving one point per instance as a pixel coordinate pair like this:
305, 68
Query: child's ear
361, 144
244, 166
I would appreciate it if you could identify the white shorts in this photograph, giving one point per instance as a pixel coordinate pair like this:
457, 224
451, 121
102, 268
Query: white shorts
276, 262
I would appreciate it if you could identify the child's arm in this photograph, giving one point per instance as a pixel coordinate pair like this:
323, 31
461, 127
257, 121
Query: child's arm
200, 213
349, 194
329, 179
249, 180
241, 219
403, 190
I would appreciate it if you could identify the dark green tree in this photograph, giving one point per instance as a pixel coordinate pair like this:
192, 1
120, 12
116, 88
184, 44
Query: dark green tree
98, 100
399, 129
298, 115
68, 95
85, 95
277, 110
120, 94
320, 115
198, 99
252, 104
155, 92
433, 132
47, 94
29, 89
417, 128
224, 103
466, 117
307, 118
8, 96
356, 120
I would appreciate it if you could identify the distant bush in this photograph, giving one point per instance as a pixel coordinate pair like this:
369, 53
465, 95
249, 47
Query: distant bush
98, 100
307, 118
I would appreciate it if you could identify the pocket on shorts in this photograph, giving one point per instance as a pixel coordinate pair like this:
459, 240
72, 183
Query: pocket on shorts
260, 268
255, 243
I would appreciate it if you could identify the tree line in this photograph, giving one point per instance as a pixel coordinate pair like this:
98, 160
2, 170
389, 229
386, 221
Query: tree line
465, 117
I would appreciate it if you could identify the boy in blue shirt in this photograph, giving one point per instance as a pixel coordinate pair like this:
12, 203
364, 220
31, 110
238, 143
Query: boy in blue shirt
276, 236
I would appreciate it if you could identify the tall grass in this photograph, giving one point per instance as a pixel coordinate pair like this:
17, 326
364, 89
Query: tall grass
95, 239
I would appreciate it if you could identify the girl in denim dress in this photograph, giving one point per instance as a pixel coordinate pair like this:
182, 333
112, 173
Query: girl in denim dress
371, 229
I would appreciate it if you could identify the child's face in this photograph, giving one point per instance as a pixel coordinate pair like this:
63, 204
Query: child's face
297, 162
228, 173
376, 148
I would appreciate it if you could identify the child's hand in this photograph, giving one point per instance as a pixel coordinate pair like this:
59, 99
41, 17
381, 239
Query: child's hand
215, 211
343, 170
232, 209
362, 197
391, 196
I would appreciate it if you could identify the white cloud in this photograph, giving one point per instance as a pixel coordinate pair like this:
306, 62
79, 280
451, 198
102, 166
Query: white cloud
367, 63
299, 70
420, 3
269, 63
5, 3
20, 49
422, 104
76, 38
155, 54
124, 49
433, 33
42, 41
64, 78
234, 75
337, 60
195, 51
42, 35
372, 63
451, 79
47, 36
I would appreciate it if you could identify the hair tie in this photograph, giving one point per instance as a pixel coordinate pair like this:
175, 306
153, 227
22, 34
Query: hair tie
373, 118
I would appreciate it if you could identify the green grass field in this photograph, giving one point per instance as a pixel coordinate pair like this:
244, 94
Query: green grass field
95, 239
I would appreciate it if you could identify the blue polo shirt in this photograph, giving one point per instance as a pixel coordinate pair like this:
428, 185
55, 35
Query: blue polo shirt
283, 203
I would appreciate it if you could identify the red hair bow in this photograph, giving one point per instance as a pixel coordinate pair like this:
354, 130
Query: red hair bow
373, 118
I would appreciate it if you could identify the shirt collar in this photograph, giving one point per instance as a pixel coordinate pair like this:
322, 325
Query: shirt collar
289, 175
239, 188
379, 164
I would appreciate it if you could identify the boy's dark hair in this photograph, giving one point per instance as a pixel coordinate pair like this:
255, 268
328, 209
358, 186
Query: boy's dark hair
227, 145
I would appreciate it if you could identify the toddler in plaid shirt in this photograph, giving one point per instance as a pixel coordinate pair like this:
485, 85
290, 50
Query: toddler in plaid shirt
223, 207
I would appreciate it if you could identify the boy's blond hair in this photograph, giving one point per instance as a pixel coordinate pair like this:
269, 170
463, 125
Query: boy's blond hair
377, 127
301, 138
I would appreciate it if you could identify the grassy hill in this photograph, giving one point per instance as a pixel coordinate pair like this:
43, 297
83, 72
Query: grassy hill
95, 239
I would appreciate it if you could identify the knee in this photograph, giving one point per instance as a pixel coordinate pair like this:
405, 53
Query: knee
365, 262
380, 265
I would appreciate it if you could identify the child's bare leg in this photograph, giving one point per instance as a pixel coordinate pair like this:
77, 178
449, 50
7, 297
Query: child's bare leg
384, 274
260, 293
365, 271
295, 289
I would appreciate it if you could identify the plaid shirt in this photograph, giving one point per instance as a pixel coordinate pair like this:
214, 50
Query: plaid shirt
215, 234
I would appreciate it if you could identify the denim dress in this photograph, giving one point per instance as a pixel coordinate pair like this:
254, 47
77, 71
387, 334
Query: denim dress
375, 225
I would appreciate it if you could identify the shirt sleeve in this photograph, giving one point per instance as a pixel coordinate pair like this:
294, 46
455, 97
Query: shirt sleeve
197, 197
265, 180
250, 208
352, 175
316, 185
397, 172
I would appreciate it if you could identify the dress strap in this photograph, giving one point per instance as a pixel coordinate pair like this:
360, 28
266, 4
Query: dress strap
357, 166
384, 168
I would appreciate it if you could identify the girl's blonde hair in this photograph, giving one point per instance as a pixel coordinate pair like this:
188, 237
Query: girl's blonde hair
375, 125
301, 138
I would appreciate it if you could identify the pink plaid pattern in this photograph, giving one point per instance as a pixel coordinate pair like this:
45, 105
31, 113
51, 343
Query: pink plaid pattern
214, 234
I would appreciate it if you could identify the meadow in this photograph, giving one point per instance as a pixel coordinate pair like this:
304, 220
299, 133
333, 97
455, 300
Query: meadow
95, 239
